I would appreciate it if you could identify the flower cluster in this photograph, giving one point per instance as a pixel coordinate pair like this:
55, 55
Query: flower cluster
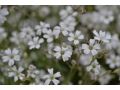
54, 45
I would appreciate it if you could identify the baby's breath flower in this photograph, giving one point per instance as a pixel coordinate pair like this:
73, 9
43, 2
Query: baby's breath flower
3, 13
65, 52
35, 42
16, 73
94, 67
3, 34
32, 71
75, 37
102, 36
11, 55
113, 61
51, 77
92, 48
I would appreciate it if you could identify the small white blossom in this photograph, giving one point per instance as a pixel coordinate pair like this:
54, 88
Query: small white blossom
51, 77
94, 67
27, 33
3, 13
113, 61
102, 36
11, 56
64, 13
92, 48
75, 37
16, 73
42, 28
67, 25
65, 52
32, 71
35, 42
50, 35
3, 34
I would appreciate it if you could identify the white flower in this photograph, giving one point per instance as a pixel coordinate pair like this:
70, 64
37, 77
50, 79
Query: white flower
64, 13
16, 73
3, 12
32, 71
65, 52
104, 77
92, 48
113, 61
56, 31
51, 77
15, 38
75, 37
27, 33
102, 36
49, 34
42, 28
115, 43
11, 56
3, 34
35, 42
94, 67
68, 25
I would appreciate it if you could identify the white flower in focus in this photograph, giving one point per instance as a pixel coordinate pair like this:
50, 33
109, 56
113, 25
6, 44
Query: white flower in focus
92, 48
51, 77
75, 37
16, 73
11, 56
35, 42
102, 36
94, 67
113, 61
65, 52
3, 13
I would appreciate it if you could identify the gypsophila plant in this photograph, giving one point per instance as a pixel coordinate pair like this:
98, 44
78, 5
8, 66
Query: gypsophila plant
59, 45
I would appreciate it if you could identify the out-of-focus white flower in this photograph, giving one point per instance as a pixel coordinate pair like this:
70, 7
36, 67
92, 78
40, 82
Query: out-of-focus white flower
56, 31
85, 59
11, 56
67, 25
50, 35
75, 37
114, 43
92, 48
102, 36
42, 28
3, 13
51, 77
32, 71
35, 42
65, 52
27, 33
64, 13
15, 38
3, 34
94, 67
16, 73
113, 61
104, 77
